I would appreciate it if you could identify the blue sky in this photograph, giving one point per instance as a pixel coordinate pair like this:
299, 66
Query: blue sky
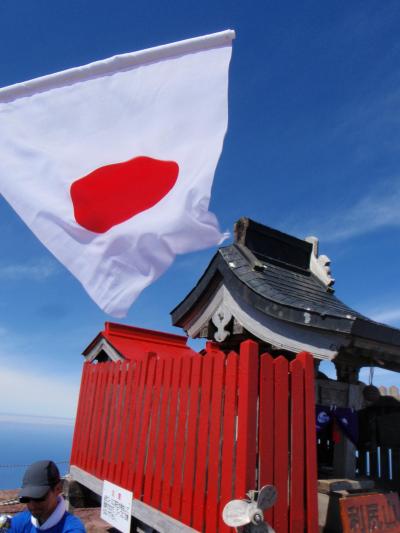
312, 148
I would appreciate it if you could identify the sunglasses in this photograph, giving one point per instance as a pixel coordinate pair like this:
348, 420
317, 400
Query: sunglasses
26, 499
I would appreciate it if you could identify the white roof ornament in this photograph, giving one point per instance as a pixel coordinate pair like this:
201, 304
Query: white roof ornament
320, 264
220, 319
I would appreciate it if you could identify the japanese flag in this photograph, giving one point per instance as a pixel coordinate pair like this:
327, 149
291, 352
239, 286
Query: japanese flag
111, 164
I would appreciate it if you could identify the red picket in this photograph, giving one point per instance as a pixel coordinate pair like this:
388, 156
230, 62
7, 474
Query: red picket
111, 368
281, 462
180, 448
111, 420
79, 424
137, 426
96, 415
214, 453
228, 436
143, 442
154, 438
119, 436
296, 507
125, 417
171, 437
266, 427
191, 441
157, 484
202, 443
92, 390
133, 412
117, 420
247, 419
108, 370
306, 360
78, 430
87, 416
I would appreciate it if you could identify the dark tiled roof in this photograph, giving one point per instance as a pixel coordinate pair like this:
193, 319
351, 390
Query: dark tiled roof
283, 286
270, 271
274, 290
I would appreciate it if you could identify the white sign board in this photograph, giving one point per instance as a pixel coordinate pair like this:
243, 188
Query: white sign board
116, 506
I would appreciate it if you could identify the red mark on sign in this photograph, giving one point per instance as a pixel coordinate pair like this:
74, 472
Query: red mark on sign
115, 193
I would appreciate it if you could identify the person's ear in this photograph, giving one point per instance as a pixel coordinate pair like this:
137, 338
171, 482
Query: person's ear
58, 488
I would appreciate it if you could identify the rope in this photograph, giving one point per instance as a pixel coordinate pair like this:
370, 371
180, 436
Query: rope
10, 502
25, 466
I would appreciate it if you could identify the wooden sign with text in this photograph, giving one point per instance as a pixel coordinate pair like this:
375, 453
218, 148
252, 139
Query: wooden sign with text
375, 513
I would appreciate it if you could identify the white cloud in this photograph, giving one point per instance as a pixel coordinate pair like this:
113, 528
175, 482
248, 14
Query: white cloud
387, 316
377, 209
33, 271
27, 393
34, 383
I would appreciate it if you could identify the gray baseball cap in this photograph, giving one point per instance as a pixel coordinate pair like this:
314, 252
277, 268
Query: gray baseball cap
38, 479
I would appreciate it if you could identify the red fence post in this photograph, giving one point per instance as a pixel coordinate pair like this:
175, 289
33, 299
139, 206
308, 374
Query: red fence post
125, 417
162, 435
128, 455
191, 441
117, 420
297, 463
107, 368
281, 437
171, 434
83, 441
154, 437
91, 420
78, 430
247, 419
144, 427
214, 452
97, 418
137, 426
180, 443
115, 371
202, 443
229, 436
266, 427
306, 360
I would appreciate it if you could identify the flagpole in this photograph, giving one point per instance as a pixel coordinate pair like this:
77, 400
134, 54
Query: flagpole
116, 63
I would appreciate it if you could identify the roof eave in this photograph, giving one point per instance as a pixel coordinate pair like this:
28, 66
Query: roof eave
301, 317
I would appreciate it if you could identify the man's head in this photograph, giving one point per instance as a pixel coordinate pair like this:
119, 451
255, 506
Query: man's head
41, 486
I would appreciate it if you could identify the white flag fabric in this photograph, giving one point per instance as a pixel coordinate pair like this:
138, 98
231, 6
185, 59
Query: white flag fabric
111, 164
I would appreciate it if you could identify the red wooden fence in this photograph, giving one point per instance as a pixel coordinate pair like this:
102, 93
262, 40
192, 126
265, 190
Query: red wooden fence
187, 435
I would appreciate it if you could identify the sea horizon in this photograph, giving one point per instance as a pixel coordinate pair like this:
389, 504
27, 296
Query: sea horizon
22, 418
27, 438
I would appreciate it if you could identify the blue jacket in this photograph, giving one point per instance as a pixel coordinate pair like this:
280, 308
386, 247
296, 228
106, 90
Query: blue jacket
21, 523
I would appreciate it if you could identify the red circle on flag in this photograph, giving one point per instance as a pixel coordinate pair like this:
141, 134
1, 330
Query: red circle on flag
115, 193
